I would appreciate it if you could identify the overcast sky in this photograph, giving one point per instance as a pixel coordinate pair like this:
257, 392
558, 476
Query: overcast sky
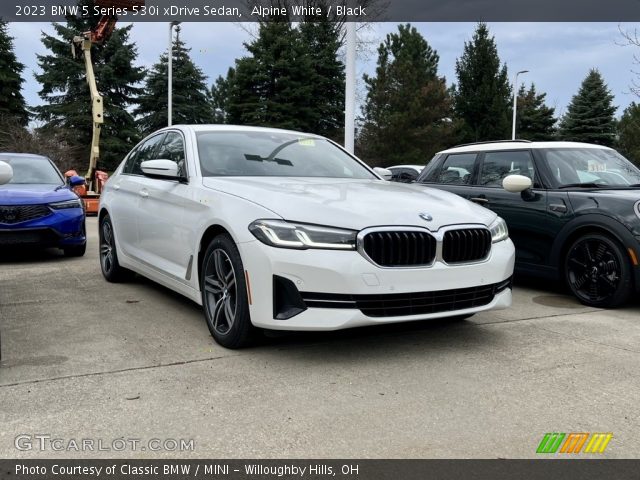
558, 55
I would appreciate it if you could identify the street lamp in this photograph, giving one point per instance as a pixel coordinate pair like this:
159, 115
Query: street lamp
515, 102
350, 87
170, 75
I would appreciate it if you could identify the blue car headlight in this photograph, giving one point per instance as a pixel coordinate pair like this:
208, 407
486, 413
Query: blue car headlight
75, 203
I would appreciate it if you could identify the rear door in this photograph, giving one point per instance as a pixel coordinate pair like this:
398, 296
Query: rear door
164, 228
124, 206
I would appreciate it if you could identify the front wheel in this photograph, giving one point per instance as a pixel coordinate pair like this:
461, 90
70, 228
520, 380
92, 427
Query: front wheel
224, 294
598, 272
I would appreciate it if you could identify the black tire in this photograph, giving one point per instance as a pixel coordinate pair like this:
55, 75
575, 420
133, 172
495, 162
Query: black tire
75, 250
224, 294
598, 271
111, 269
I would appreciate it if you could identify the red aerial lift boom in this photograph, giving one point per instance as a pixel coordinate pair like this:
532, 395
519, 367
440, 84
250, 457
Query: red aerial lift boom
94, 178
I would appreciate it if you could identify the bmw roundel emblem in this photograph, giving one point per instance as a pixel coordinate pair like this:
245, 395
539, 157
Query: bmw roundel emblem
426, 217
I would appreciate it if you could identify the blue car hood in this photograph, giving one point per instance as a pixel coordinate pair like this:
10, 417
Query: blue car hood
32, 194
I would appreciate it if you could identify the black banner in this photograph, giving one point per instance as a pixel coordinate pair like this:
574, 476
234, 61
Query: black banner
335, 10
583, 469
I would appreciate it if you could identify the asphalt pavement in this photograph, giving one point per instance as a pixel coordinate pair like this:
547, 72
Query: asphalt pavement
86, 360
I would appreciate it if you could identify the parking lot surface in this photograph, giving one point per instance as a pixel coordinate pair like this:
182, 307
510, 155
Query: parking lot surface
85, 359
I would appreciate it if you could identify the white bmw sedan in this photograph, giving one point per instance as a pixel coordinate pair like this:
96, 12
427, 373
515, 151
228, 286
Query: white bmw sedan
282, 230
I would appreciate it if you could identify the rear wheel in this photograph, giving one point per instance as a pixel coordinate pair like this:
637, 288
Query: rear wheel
224, 294
111, 269
598, 272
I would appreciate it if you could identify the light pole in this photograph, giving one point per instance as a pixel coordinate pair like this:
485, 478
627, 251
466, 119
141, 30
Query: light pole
170, 75
350, 88
515, 102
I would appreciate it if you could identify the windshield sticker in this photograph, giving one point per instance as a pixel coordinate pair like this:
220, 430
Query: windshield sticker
597, 166
307, 142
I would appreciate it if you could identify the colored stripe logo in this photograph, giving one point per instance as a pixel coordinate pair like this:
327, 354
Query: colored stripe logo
574, 442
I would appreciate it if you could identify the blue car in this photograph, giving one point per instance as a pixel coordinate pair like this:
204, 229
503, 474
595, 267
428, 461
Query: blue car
37, 207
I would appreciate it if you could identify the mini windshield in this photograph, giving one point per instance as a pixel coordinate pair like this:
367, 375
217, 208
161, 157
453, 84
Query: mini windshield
274, 154
591, 167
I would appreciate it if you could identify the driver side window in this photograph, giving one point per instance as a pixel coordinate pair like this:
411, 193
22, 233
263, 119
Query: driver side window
173, 149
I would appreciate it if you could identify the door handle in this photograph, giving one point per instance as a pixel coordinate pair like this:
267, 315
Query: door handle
479, 199
558, 207
143, 193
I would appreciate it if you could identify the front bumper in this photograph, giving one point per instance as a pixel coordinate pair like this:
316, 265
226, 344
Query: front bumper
347, 273
58, 229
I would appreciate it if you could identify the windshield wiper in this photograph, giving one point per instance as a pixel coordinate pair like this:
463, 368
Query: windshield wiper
258, 158
583, 185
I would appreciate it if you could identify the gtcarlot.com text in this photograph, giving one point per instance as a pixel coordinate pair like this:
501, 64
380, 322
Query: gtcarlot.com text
45, 442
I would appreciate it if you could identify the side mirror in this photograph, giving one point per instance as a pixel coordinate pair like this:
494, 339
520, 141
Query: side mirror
76, 181
6, 173
383, 172
516, 183
166, 169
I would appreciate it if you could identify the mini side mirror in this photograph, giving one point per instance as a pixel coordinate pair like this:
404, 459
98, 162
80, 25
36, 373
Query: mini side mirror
167, 169
6, 173
516, 183
76, 181
383, 172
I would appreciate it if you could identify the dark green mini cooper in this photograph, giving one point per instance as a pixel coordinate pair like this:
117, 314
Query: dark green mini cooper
573, 209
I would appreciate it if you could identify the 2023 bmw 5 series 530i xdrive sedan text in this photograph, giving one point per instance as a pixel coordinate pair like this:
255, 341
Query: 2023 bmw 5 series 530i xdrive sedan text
283, 230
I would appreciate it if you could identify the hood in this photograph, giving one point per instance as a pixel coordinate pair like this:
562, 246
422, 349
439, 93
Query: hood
33, 194
354, 204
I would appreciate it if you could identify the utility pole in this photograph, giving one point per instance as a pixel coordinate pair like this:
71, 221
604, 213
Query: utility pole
170, 75
350, 90
515, 103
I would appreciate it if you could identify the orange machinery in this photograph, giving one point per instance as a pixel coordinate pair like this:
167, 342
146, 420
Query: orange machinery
94, 178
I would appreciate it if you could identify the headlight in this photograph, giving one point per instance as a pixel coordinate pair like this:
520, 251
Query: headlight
75, 203
498, 230
282, 234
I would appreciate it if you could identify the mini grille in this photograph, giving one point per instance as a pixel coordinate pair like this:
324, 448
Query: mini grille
10, 214
466, 245
400, 248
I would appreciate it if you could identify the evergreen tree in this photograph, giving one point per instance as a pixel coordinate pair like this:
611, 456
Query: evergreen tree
535, 120
219, 96
629, 133
67, 110
291, 79
408, 108
12, 104
191, 100
590, 115
483, 93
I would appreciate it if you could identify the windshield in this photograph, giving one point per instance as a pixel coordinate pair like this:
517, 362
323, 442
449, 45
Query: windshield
591, 167
274, 154
32, 170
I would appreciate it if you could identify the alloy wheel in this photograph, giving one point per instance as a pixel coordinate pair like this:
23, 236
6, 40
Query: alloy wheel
106, 247
221, 299
593, 270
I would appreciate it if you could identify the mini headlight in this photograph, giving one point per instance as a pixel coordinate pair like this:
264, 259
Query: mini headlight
75, 203
282, 234
499, 231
